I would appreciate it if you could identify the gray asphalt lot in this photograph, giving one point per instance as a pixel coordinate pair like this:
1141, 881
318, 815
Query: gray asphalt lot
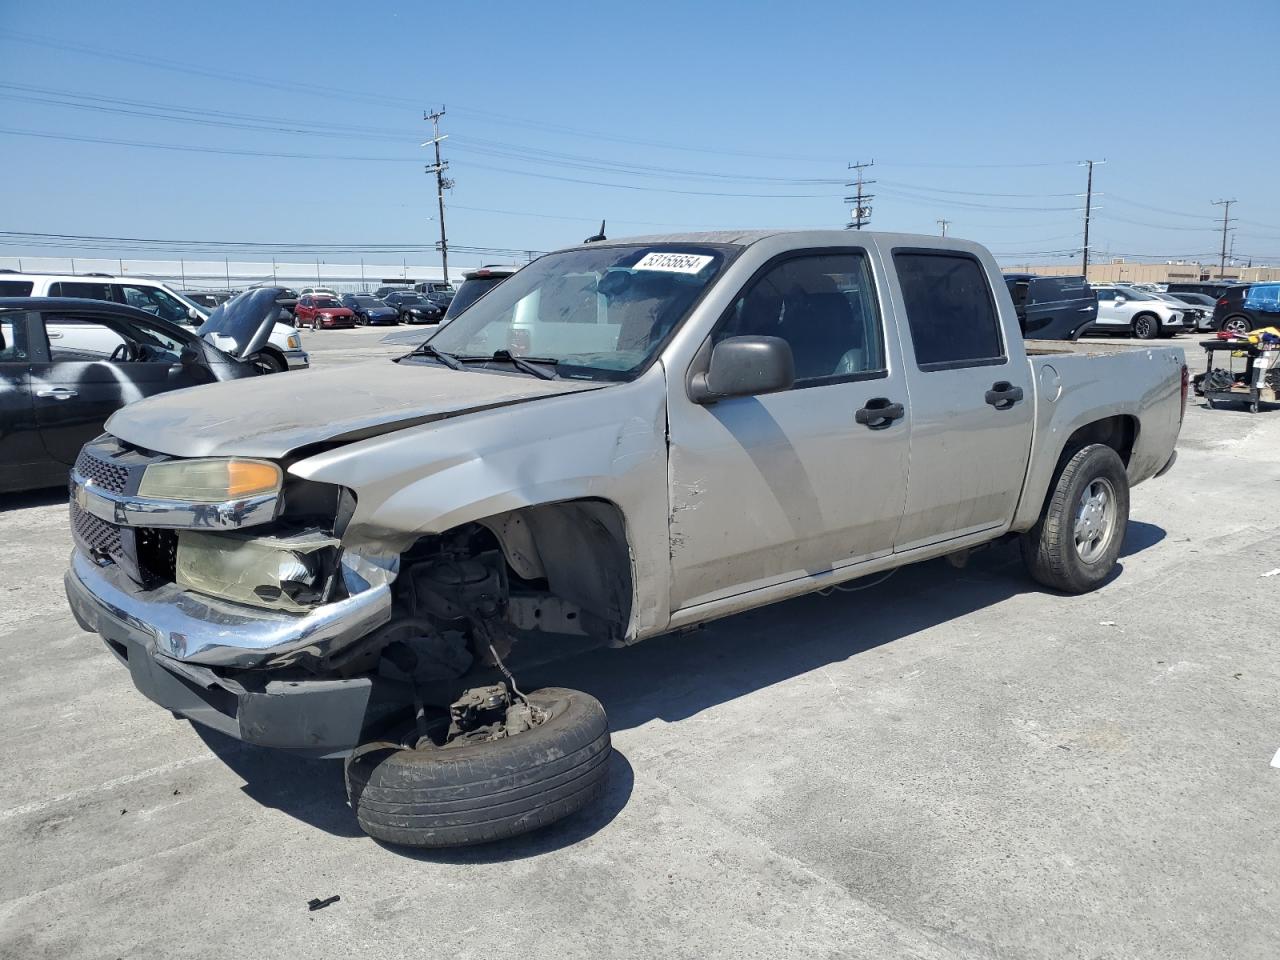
953, 764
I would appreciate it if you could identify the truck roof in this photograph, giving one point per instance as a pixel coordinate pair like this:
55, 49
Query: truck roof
745, 238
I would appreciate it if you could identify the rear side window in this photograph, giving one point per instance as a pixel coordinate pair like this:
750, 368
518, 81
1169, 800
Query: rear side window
1056, 289
950, 310
15, 288
85, 291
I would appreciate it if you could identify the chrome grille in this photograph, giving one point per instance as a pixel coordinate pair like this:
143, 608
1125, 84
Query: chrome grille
109, 476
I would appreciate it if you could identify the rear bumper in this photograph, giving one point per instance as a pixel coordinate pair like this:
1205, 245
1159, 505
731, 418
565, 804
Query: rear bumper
315, 717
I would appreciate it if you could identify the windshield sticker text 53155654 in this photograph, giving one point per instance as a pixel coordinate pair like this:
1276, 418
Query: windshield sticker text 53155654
673, 262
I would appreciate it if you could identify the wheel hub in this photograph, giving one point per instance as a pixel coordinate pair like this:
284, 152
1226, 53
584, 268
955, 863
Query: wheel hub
1094, 520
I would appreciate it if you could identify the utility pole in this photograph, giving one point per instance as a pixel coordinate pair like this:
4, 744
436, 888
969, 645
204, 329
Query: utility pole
944, 224
1088, 212
443, 183
860, 216
1226, 209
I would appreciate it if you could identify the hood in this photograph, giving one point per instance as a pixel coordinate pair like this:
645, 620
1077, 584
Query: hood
271, 416
242, 326
334, 312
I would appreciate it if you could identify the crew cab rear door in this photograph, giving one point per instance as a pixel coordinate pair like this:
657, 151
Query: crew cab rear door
972, 404
781, 486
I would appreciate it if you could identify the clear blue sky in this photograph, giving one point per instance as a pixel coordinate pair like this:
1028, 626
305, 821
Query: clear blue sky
975, 112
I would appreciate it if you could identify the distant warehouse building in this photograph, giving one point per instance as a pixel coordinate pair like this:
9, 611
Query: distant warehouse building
1119, 270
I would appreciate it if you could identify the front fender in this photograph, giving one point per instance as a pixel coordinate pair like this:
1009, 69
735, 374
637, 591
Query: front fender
607, 444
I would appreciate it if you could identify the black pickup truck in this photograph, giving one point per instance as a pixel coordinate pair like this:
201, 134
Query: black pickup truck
1052, 308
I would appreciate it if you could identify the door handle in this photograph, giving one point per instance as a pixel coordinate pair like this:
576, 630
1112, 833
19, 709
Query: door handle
1003, 395
879, 413
54, 335
57, 393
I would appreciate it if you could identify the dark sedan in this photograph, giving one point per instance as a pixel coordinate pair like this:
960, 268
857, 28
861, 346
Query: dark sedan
370, 310
415, 308
66, 365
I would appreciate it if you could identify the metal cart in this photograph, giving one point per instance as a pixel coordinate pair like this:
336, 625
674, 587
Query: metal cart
1261, 380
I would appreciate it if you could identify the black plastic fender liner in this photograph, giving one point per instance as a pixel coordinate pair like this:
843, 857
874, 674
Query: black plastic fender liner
477, 792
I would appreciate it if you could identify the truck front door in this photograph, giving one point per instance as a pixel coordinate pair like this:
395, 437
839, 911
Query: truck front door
766, 489
972, 404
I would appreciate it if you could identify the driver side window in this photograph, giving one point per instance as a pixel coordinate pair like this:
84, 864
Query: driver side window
825, 307
81, 340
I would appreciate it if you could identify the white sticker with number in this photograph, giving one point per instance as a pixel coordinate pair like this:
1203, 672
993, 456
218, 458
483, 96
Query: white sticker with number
673, 262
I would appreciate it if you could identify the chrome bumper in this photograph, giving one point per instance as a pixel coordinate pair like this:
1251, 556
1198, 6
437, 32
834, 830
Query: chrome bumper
202, 630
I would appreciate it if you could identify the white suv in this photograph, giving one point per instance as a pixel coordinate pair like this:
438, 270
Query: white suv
1124, 309
282, 351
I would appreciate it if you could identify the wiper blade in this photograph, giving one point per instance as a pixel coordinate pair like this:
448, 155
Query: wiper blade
527, 363
448, 359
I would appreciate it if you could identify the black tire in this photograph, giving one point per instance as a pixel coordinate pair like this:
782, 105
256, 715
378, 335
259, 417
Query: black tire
1237, 325
474, 793
1049, 549
1146, 326
265, 362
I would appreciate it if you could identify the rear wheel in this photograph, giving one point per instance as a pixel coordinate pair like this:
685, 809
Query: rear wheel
1237, 325
475, 790
1146, 326
1075, 545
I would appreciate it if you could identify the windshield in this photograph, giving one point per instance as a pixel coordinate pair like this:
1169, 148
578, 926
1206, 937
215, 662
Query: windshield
327, 302
601, 311
1197, 298
368, 301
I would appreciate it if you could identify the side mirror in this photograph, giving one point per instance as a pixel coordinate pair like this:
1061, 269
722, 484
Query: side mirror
194, 315
1120, 299
744, 367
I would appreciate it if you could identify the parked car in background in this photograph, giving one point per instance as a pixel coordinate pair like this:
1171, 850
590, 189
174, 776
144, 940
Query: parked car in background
1052, 308
282, 350
1210, 288
1247, 307
67, 364
369, 309
319, 310
435, 286
475, 284
385, 291
317, 292
1127, 310
1199, 308
210, 300
414, 307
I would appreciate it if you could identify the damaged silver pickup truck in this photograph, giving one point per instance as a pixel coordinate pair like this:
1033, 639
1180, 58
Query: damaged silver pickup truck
621, 440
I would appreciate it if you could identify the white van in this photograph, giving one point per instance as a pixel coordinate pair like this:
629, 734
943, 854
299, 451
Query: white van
283, 349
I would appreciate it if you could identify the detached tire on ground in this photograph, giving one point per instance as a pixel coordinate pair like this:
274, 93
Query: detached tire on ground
477, 792
1075, 544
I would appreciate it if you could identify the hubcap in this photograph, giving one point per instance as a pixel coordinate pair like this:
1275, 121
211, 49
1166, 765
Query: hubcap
1095, 520
1237, 326
1144, 327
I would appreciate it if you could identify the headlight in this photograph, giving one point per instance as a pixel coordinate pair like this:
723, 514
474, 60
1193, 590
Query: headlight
294, 342
210, 481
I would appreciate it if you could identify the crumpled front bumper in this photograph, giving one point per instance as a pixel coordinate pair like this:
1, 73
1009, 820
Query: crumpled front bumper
317, 717
192, 629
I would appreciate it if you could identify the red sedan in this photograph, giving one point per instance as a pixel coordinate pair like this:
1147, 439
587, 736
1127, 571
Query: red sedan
321, 311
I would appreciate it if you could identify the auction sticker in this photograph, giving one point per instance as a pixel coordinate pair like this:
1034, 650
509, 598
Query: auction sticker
673, 262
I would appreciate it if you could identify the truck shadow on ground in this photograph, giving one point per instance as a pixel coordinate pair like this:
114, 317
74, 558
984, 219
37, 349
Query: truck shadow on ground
675, 677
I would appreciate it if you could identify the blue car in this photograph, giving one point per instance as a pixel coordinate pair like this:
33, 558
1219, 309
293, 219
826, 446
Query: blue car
370, 310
